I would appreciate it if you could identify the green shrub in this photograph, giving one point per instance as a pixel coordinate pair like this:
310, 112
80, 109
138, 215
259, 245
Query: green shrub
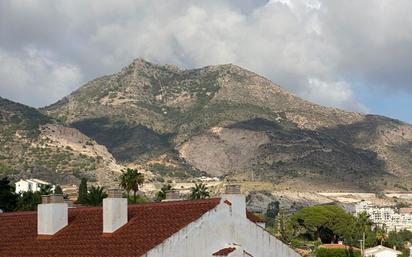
325, 252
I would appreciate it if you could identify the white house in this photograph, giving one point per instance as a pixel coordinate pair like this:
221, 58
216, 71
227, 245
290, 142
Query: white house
381, 251
197, 228
392, 218
24, 185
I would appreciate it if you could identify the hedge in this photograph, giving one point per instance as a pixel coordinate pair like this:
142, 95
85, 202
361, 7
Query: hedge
325, 252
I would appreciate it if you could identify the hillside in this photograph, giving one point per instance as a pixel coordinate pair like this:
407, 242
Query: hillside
34, 145
227, 121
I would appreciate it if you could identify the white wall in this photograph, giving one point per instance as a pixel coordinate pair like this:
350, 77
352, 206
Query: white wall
22, 186
383, 253
215, 230
29, 185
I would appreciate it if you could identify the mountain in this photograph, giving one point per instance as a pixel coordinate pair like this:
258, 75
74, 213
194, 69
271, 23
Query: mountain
34, 145
227, 121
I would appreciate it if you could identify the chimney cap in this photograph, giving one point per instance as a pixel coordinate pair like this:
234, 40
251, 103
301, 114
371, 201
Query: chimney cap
114, 193
171, 194
232, 189
52, 199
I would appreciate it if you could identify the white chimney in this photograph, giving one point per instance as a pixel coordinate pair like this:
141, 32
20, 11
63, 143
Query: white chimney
114, 211
52, 215
236, 199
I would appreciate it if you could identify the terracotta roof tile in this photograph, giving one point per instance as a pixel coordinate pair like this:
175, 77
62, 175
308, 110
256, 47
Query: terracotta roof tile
148, 226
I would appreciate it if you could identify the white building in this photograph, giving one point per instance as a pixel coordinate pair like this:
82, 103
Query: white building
390, 217
24, 185
198, 228
381, 251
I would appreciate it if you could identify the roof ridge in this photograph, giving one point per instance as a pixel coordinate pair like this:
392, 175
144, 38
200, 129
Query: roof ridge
130, 206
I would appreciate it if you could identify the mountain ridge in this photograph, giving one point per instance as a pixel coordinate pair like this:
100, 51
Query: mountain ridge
223, 120
34, 145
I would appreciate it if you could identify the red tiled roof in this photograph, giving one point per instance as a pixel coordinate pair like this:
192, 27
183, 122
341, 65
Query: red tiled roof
336, 246
224, 251
148, 226
252, 217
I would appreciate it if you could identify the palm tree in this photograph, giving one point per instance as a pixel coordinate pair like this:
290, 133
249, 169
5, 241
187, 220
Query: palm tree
199, 191
381, 236
138, 180
130, 180
363, 223
125, 181
45, 189
161, 195
96, 195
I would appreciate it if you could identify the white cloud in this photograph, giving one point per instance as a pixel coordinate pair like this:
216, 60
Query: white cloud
287, 41
34, 77
334, 94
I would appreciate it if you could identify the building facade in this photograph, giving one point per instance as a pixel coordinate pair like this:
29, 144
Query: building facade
390, 218
25, 185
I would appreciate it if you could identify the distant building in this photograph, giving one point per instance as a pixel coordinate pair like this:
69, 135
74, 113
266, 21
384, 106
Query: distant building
381, 251
24, 185
391, 218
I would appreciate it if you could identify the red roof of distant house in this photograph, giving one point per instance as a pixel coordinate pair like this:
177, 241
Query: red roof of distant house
254, 218
148, 226
337, 246
405, 210
224, 251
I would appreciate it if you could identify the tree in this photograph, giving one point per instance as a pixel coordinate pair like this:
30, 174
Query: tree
125, 181
325, 222
130, 180
363, 223
161, 195
8, 198
82, 196
381, 236
45, 189
96, 195
400, 239
271, 212
199, 191
58, 190
284, 228
138, 180
28, 201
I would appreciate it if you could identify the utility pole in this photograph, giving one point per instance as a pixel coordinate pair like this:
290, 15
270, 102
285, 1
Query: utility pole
362, 246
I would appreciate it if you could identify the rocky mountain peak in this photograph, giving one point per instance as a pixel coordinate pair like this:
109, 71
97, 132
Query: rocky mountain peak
149, 110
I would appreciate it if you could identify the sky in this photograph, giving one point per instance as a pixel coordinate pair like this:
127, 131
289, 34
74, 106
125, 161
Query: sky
355, 55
